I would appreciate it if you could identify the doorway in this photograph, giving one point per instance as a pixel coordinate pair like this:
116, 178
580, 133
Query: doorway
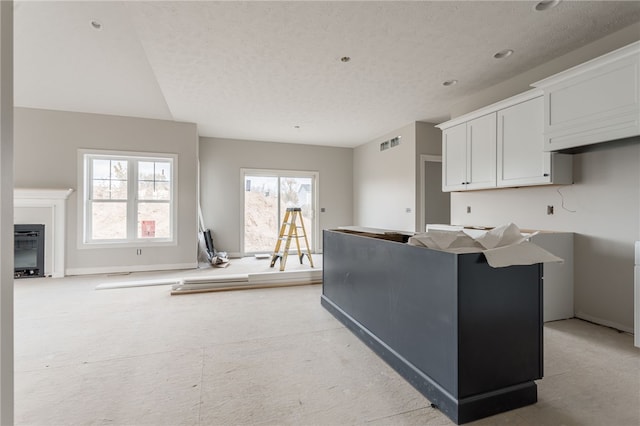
266, 194
435, 205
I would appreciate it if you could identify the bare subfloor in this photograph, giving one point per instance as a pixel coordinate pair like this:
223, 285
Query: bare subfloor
273, 356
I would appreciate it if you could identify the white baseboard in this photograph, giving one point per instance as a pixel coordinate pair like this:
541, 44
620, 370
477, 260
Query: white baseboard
604, 322
132, 268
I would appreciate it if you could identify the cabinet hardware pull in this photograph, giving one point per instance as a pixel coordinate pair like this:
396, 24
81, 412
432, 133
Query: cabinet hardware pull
546, 175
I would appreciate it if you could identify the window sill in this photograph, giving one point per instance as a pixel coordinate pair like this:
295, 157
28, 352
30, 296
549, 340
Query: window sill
127, 244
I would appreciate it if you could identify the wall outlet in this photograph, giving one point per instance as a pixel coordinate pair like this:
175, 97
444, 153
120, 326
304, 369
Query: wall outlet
549, 210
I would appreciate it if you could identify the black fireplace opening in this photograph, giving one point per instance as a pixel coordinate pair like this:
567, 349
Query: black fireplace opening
28, 252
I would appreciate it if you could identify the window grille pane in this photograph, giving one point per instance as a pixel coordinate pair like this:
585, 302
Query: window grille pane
163, 171
154, 220
119, 169
118, 190
109, 221
101, 169
163, 191
101, 189
145, 170
154, 191
109, 189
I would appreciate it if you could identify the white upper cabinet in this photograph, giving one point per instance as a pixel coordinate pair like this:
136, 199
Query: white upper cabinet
521, 159
469, 155
501, 145
593, 102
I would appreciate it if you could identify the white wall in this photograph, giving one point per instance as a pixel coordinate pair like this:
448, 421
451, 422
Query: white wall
387, 183
605, 200
6, 213
602, 208
384, 182
46, 156
220, 184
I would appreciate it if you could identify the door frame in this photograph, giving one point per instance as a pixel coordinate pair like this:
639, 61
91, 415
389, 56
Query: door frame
315, 183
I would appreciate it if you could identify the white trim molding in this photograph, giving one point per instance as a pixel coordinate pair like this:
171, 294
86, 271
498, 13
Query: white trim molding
55, 201
131, 268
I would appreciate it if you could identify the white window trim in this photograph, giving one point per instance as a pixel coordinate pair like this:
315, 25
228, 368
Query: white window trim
278, 172
83, 191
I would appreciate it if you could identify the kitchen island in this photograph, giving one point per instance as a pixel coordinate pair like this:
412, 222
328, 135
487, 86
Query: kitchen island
464, 334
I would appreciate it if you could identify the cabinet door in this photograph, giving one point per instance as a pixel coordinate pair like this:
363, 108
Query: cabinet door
454, 158
597, 101
521, 159
481, 152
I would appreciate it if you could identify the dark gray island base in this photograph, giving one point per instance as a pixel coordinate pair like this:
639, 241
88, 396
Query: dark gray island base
464, 334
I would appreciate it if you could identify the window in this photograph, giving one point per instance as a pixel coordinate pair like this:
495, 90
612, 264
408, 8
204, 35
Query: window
128, 198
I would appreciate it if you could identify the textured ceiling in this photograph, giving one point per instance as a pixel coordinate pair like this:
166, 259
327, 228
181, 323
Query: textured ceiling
255, 70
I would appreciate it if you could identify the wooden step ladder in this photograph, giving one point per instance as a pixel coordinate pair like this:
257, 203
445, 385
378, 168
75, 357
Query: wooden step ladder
289, 231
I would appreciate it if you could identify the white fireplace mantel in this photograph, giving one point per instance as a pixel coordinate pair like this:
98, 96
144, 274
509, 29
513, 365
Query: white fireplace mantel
54, 203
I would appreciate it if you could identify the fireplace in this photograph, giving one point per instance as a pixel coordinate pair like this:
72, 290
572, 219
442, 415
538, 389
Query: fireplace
28, 251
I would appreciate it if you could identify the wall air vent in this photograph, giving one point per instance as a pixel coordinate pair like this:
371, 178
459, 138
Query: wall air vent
390, 143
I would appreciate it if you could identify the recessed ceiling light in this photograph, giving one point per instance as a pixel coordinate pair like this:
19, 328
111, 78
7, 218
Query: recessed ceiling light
449, 82
546, 4
503, 54
345, 59
96, 25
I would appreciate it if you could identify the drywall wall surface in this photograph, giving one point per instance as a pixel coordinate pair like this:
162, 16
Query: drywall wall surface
428, 139
221, 186
385, 182
602, 207
428, 142
6, 215
522, 82
46, 156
